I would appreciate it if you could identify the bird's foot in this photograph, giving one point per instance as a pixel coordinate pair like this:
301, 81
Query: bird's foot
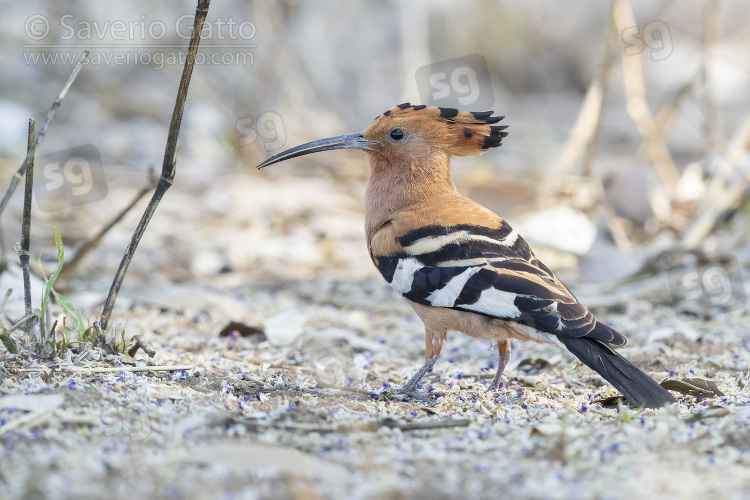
410, 390
406, 394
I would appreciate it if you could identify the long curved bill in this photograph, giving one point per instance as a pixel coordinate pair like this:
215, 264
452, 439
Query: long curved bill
350, 141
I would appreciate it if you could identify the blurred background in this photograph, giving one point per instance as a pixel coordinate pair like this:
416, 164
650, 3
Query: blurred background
626, 155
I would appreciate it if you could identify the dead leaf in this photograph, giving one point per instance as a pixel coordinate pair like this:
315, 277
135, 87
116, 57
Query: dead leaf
697, 387
610, 402
241, 328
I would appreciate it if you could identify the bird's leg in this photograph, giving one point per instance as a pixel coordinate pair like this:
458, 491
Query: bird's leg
411, 386
433, 344
503, 348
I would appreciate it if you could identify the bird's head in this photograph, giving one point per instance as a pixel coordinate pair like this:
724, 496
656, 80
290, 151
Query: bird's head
409, 133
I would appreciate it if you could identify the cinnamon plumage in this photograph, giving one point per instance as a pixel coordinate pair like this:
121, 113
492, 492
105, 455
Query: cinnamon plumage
460, 266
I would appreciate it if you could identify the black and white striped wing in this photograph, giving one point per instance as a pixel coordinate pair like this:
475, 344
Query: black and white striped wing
491, 272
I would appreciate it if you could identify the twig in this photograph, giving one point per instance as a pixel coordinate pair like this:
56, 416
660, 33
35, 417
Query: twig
8, 342
418, 426
93, 241
586, 129
638, 109
138, 342
372, 426
81, 355
100, 340
722, 193
325, 385
661, 125
580, 134
42, 132
583, 139
710, 36
26, 224
48, 377
5, 301
52, 336
161, 368
610, 43
3, 256
168, 165
10, 345
24, 320
5, 337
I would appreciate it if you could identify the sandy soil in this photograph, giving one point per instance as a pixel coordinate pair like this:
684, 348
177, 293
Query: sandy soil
301, 407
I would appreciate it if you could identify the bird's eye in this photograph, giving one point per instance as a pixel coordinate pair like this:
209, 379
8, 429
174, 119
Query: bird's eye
397, 134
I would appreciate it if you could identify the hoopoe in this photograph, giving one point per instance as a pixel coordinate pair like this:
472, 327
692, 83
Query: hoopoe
459, 265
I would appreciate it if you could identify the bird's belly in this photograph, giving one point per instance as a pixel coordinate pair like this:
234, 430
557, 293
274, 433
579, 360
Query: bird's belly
440, 320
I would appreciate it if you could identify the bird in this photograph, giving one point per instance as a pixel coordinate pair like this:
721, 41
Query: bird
461, 267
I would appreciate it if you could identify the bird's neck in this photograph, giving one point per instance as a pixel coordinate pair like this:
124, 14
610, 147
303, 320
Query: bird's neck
395, 189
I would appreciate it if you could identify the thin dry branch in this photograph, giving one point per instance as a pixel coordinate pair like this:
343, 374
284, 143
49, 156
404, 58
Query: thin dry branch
581, 133
583, 139
723, 192
93, 241
168, 165
585, 131
610, 44
24, 320
710, 36
159, 368
2, 305
138, 342
638, 109
5, 338
665, 116
42, 132
23, 254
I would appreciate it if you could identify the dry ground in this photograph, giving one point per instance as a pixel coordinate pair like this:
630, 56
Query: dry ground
300, 407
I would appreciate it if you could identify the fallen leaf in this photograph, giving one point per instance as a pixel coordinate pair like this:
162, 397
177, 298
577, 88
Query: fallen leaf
241, 328
697, 387
610, 402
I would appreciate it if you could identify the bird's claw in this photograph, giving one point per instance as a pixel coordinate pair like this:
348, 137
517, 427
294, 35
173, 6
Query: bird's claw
494, 387
409, 391
405, 394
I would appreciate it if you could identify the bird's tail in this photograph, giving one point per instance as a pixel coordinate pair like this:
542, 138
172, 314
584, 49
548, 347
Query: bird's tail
637, 387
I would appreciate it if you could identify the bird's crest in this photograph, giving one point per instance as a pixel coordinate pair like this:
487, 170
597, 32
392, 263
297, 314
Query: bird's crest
469, 133
409, 133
